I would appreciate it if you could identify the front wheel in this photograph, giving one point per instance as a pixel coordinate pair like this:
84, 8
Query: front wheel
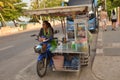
42, 67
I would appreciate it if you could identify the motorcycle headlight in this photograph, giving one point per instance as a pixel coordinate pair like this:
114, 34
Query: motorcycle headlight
38, 48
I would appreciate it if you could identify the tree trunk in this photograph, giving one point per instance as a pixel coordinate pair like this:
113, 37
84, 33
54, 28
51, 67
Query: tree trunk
3, 24
3, 20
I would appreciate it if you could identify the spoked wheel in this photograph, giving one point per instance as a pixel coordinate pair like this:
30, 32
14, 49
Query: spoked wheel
42, 67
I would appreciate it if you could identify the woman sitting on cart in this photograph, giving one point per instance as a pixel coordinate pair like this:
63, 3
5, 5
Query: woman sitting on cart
46, 33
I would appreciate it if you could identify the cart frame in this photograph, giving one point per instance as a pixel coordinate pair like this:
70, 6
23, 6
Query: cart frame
79, 14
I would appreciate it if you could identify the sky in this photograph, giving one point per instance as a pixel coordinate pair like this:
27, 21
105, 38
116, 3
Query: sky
23, 18
27, 1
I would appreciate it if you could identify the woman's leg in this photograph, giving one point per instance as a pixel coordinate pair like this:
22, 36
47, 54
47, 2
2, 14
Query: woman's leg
104, 25
44, 47
113, 25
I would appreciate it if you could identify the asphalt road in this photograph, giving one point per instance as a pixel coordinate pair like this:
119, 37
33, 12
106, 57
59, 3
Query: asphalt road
18, 60
29, 73
16, 52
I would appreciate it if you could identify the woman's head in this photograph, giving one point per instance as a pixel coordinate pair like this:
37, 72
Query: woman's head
45, 24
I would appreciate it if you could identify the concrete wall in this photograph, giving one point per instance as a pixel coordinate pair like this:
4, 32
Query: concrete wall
10, 30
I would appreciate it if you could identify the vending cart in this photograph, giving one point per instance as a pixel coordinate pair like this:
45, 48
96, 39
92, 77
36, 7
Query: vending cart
73, 53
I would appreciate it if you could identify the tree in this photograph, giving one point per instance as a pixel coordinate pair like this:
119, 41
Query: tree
110, 4
1, 16
39, 4
35, 4
12, 9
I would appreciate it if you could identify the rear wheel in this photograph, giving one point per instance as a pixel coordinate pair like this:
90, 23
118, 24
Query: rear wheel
42, 67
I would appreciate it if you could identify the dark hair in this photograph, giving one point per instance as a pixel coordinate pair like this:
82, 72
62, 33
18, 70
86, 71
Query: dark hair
48, 25
113, 12
46, 22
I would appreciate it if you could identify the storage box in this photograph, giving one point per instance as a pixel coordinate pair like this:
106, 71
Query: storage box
58, 62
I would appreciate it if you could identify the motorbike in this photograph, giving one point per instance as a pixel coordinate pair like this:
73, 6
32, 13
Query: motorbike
45, 56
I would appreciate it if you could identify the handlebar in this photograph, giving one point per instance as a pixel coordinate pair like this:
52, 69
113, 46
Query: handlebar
37, 38
33, 35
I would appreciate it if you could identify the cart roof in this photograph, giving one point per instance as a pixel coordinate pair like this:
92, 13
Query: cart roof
59, 11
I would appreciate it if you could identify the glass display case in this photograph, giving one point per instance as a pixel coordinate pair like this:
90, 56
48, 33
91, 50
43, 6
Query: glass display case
70, 30
76, 47
80, 29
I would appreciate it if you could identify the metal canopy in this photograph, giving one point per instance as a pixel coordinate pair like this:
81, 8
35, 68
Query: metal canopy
59, 11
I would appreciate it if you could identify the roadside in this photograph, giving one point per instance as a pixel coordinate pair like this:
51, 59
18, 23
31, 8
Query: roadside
107, 60
5, 31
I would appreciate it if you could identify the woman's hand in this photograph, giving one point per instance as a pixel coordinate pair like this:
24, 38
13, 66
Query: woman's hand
41, 39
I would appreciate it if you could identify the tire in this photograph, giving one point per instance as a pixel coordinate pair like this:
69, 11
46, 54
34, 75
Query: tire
42, 67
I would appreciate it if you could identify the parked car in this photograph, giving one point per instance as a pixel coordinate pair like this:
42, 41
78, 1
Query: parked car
93, 22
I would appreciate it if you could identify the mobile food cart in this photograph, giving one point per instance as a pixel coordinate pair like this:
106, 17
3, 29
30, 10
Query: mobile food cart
71, 54
73, 51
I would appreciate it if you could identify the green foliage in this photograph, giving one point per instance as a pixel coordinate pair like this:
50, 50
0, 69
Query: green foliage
11, 9
1, 4
50, 3
45, 4
111, 4
116, 3
39, 4
100, 2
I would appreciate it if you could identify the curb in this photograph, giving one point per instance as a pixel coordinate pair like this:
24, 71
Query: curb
99, 46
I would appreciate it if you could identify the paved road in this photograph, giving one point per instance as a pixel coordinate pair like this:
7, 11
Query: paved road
29, 73
18, 61
16, 52
107, 60
112, 42
109, 42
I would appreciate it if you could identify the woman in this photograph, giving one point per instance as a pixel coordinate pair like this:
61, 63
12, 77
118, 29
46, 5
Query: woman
114, 20
103, 18
46, 33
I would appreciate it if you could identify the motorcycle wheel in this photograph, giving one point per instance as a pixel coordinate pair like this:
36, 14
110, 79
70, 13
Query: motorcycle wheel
42, 67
